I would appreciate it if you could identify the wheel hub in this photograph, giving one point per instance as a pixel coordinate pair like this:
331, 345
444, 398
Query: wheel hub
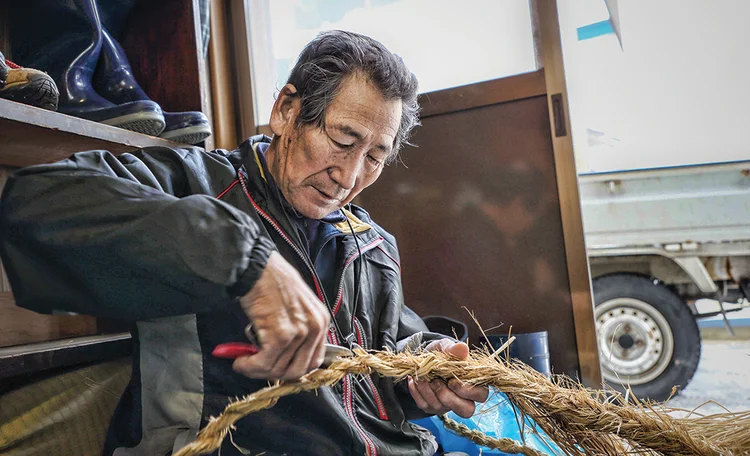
626, 341
635, 341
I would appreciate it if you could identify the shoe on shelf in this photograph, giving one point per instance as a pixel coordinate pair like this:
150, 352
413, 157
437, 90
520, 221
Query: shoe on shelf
3, 70
189, 127
65, 39
114, 80
27, 85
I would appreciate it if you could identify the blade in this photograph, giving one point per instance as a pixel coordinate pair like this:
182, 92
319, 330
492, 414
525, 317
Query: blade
335, 351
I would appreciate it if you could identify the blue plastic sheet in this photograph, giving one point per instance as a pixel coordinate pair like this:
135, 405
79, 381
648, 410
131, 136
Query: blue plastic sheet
496, 418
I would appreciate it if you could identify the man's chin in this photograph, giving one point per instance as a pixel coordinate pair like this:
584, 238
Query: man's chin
315, 212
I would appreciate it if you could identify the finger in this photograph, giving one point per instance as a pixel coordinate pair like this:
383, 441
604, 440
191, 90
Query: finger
261, 364
439, 345
450, 400
295, 356
318, 357
310, 352
470, 392
428, 393
458, 350
417, 396
255, 366
322, 321
305, 323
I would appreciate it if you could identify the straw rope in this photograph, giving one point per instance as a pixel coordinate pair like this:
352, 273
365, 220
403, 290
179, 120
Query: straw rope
503, 444
578, 420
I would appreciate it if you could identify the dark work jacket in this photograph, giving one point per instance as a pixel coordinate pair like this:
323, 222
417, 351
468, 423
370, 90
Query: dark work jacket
169, 239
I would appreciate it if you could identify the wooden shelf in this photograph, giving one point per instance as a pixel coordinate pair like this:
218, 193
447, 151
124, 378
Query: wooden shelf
38, 357
162, 42
30, 135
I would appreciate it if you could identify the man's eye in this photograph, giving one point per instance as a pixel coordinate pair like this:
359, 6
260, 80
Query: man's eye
338, 144
374, 160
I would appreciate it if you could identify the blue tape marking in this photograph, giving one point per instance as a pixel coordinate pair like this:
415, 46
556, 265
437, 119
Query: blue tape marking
593, 30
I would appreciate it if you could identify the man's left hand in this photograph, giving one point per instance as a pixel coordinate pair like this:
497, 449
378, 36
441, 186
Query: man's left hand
437, 397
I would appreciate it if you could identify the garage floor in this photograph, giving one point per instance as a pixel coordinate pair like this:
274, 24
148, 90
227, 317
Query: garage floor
723, 376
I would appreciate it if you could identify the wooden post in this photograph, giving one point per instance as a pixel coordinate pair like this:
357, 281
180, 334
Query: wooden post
222, 84
243, 65
547, 29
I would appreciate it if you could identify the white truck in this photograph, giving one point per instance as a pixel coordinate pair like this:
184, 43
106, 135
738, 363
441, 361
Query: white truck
658, 106
659, 240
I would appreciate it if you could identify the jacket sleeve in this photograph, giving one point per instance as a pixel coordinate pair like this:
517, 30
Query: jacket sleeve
132, 237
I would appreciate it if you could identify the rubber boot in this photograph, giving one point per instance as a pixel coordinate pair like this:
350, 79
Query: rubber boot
27, 85
3, 70
115, 81
64, 38
114, 15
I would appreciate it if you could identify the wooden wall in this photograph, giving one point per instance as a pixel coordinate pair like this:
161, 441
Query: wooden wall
477, 215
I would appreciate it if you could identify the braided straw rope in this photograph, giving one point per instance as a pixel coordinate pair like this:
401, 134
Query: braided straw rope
578, 420
503, 444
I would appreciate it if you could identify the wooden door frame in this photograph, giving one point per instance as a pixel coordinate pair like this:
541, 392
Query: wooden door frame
546, 26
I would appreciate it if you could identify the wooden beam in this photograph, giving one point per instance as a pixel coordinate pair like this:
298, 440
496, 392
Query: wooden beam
222, 82
20, 326
242, 68
32, 358
567, 182
486, 93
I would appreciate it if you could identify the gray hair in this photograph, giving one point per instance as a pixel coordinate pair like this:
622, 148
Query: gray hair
331, 57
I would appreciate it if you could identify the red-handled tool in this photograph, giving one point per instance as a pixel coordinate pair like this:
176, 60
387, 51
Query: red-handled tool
233, 350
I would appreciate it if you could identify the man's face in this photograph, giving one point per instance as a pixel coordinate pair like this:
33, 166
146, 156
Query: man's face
320, 170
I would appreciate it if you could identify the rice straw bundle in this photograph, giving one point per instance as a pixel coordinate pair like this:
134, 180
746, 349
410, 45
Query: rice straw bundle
580, 421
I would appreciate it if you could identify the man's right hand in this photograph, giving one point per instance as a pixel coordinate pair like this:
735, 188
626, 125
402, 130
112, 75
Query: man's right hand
289, 321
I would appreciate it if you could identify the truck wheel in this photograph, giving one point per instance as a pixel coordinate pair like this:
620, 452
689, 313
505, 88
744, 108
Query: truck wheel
648, 337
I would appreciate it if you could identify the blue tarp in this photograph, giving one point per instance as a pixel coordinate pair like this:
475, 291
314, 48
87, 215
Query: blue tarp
496, 418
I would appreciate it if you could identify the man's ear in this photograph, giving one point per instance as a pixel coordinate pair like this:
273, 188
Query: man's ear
285, 109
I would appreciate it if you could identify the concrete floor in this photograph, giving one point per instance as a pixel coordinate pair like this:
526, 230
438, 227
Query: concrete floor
723, 376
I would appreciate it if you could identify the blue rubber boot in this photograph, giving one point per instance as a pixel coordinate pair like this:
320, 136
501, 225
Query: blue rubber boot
64, 38
3, 70
115, 81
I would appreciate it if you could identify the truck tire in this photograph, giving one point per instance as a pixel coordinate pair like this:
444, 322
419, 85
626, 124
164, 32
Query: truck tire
648, 337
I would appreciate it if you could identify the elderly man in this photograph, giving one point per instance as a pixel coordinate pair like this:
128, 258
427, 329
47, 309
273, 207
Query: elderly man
191, 246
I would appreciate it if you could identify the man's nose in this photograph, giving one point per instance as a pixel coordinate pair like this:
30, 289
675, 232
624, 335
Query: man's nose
345, 172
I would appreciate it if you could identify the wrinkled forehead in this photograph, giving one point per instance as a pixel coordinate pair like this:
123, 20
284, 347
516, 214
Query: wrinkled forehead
360, 105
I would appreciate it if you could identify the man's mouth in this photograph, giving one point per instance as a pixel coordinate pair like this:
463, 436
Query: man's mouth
325, 195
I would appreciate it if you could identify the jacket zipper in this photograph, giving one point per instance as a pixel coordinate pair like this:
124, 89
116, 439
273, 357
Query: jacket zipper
361, 340
276, 227
365, 248
348, 395
349, 408
358, 326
